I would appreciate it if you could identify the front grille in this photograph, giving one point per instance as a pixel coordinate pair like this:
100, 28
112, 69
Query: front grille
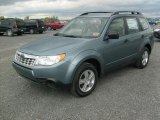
25, 59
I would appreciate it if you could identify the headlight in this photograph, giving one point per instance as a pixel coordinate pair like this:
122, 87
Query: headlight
49, 60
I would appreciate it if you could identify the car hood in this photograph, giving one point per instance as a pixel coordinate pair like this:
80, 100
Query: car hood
52, 45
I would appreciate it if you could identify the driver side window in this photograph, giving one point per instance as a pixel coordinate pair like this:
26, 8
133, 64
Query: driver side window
117, 26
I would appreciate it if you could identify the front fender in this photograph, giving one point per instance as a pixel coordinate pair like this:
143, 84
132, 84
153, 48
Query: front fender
80, 58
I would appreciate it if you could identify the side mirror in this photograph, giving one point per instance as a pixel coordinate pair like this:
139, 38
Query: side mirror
112, 35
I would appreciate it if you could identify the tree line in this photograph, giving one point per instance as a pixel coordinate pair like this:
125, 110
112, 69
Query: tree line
46, 19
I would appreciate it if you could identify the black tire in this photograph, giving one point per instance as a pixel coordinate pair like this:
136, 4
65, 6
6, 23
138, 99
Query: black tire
19, 33
9, 33
139, 63
40, 32
76, 86
156, 35
1, 34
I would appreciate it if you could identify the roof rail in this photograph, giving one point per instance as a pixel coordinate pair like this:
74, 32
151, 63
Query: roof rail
94, 12
131, 12
115, 13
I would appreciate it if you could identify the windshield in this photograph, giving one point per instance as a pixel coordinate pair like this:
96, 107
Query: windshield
86, 27
30, 22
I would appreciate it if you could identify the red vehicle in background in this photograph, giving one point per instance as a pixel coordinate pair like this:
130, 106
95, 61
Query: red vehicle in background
54, 25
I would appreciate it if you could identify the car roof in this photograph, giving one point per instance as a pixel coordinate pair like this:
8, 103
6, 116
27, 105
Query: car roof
96, 14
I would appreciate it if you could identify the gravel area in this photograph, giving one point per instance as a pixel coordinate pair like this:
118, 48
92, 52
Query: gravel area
124, 94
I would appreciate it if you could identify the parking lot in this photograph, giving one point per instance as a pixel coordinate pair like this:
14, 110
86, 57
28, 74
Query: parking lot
124, 94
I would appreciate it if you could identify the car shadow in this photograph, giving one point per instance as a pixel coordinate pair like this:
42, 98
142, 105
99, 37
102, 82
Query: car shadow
65, 90
49, 90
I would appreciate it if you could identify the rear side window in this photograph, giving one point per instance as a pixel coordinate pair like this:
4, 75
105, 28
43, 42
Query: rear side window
11, 22
40, 22
132, 24
117, 25
20, 22
144, 23
31, 22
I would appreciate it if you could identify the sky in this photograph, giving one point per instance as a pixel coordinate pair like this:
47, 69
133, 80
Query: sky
66, 9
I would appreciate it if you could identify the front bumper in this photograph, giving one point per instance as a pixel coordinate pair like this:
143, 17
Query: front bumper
58, 74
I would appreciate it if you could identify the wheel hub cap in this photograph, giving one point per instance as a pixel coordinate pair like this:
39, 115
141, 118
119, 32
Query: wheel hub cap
145, 58
86, 80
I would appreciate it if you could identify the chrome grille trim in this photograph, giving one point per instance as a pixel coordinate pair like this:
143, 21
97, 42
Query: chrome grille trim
25, 59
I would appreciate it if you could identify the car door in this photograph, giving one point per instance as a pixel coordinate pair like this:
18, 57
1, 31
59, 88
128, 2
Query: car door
134, 36
116, 51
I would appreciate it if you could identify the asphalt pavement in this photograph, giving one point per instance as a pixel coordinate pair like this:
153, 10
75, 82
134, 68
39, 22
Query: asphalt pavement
124, 94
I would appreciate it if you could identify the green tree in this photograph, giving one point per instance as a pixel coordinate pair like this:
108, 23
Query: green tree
1, 17
51, 19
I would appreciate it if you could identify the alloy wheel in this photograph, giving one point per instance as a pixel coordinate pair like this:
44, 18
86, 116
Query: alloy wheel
145, 58
86, 80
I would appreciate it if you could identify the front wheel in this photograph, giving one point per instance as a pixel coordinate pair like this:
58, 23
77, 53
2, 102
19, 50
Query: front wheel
9, 32
143, 59
40, 32
49, 28
85, 80
19, 33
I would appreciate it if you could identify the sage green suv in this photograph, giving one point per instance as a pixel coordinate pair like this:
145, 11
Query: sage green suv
87, 47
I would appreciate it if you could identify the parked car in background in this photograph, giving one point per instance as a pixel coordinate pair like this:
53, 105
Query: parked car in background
152, 22
34, 26
11, 26
157, 20
157, 33
86, 48
54, 25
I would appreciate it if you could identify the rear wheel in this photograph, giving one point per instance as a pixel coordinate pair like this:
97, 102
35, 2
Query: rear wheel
31, 31
1, 33
10, 32
85, 80
143, 59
